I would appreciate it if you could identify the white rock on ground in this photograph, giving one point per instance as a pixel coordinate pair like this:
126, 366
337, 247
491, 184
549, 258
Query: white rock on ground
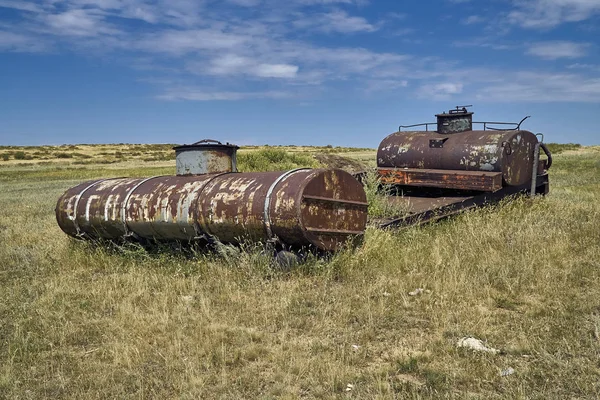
476, 345
419, 291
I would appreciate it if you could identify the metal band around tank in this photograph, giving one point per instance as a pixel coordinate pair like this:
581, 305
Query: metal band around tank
197, 228
267, 209
127, 197
74, 217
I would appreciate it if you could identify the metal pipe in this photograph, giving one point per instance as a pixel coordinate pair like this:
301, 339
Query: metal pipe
548, 154
534, 172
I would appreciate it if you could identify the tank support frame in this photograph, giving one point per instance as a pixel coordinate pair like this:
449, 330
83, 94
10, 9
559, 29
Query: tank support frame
430, 205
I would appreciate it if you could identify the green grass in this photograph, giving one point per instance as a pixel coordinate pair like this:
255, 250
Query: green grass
557, 148
82, 321
377, 193
274, 159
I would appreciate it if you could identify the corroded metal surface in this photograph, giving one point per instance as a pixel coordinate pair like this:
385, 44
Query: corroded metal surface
442, 178
205, 157
97, 211
319, 208
454, 121
509, 152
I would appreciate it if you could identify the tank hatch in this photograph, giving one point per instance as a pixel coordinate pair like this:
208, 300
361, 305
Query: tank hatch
455, 121
205, 157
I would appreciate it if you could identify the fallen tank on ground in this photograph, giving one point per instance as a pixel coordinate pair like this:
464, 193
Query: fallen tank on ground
208, 200
438, 173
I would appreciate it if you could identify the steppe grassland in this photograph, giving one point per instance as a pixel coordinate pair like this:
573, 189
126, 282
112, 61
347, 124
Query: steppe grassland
79, 321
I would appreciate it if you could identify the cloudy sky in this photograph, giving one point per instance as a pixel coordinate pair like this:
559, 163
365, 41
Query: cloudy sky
340, 72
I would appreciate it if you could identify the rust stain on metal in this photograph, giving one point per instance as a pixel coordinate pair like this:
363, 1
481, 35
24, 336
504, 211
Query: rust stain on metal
449, 179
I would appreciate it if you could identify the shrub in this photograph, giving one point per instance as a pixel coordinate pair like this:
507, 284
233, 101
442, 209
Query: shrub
557, 148
5, 156
81, 155
378, 197
272, 159
63, 155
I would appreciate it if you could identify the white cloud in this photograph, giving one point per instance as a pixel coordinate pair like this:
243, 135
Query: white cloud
489, 42
440, 91
21, 5
530, 86
558, 49
340, 21
232, 64
544, 14
78, 23
229, 64
335, 21
195, 94
245, 3
342, 62
16, 42
385, 85
590, 67
311, 2
179, 42
275, 70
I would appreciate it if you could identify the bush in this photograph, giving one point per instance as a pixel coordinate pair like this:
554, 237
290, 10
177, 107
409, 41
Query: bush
273, 160
81, 155
63, 155
557, 148
5, 156
378, 197
20, 155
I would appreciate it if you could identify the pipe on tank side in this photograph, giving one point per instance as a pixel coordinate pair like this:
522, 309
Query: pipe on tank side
321, 208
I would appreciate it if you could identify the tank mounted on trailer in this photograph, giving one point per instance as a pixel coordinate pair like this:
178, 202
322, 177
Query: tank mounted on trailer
454, 167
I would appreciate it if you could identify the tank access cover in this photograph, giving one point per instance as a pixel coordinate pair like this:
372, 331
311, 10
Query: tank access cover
205, 157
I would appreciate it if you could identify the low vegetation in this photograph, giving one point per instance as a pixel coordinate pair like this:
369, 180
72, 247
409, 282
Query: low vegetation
82, 321
273, 159
557, 148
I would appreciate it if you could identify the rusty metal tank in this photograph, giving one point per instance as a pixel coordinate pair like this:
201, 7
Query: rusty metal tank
455, 146
318, 208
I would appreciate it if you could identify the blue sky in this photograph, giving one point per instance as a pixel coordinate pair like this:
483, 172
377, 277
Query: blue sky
340, 72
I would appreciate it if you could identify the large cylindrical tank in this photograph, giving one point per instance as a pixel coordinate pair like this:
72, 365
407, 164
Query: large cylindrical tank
300, 208
509, 152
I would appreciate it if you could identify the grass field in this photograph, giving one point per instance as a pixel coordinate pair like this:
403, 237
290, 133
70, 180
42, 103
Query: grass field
82, 322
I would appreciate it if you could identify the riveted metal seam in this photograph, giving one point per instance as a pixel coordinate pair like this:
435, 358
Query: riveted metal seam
267, 208
126, 201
